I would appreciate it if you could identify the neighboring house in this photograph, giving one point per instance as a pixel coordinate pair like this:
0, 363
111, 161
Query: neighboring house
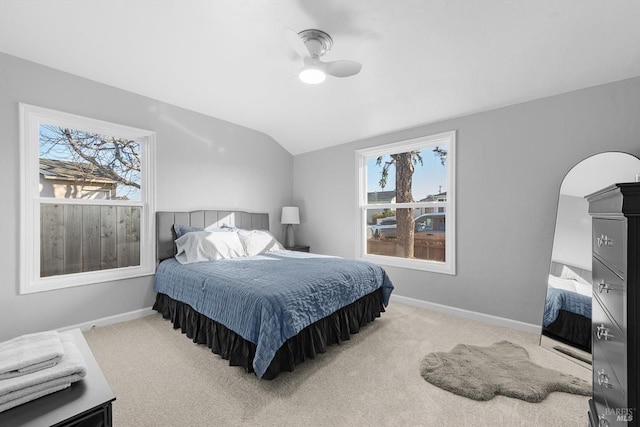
390, 197
379, 197
63, 179
440, 197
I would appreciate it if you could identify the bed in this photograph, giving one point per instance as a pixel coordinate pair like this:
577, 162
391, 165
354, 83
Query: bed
266, 312
567, 311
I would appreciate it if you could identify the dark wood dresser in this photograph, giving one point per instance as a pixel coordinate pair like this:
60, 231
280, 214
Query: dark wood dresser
616, 300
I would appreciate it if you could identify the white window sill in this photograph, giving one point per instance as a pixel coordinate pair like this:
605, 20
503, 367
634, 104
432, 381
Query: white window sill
414, 264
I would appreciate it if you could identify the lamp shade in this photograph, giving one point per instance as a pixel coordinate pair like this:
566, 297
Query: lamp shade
290, 215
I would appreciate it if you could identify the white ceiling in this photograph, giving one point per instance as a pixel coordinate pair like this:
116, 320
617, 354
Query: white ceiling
423, 60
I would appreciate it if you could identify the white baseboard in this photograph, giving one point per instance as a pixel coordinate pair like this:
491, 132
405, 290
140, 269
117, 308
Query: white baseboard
502, 321
136, 314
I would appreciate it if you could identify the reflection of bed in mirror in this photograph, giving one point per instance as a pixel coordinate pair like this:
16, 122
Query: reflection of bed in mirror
567, 310
566, 326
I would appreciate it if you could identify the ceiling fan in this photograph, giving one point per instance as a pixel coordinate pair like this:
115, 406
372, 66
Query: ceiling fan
311, 45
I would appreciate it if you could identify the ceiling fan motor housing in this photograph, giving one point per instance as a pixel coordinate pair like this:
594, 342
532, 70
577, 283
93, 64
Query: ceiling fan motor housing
317, 42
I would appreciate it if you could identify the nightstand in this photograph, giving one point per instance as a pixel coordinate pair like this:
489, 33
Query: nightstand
298, 248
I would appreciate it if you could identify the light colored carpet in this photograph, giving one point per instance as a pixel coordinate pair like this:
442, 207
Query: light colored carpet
160, 377
503, 368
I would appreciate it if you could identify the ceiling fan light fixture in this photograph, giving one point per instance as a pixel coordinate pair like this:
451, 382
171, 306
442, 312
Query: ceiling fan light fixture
312, 75
310, 45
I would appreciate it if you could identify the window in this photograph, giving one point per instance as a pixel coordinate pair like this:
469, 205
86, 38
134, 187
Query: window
406, 203
86, 200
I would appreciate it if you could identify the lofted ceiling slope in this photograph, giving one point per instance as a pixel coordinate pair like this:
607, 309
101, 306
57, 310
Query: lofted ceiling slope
423, 61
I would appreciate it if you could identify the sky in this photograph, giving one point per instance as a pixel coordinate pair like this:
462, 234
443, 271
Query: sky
427, 178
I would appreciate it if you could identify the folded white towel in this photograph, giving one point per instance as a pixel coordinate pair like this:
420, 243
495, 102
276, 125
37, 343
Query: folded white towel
71, 368
31, 389
42, 391
29, 353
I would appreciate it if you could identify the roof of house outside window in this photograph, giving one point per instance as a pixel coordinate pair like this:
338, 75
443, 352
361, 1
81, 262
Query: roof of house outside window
435, 197
74, 171
381, 196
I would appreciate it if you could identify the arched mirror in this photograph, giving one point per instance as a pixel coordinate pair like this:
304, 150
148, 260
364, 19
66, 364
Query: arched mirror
566, 326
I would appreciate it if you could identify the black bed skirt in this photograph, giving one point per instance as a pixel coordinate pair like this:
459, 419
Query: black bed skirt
309, 342
572, 329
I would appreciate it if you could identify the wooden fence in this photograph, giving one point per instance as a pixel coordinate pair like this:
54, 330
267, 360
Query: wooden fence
79, 238
430, 247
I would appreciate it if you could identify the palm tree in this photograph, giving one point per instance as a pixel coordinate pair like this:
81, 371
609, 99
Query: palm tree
405, 165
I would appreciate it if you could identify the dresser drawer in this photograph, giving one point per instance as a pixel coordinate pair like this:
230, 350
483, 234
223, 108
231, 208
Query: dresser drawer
608, 344
611, 290
609, 417
609, 242
607, 390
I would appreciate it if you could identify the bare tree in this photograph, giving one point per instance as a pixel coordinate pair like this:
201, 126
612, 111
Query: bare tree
405, 165
115, 158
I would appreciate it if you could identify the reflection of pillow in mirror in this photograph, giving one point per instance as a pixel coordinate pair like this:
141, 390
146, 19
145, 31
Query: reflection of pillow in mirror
584, 289
569, 274
560, 283
199, 246
258, 242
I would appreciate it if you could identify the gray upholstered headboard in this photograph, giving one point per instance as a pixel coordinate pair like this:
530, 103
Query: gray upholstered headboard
165, 246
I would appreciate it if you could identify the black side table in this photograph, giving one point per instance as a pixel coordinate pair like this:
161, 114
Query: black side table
298, 248
85, 403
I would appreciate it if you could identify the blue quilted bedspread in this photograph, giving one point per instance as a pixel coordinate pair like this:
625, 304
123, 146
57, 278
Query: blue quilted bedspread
269, 298
561, 299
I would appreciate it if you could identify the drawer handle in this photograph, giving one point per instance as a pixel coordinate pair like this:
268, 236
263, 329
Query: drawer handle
604, 286
603, 333
602, 421
603, 380
604, 240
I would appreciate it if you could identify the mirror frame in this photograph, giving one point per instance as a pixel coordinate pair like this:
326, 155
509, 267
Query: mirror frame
565, 350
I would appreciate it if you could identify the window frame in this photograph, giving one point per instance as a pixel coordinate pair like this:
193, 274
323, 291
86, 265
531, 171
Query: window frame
31, 117
449, 265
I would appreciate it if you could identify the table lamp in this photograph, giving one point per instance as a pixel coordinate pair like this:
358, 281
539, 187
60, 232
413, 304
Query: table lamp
290, 216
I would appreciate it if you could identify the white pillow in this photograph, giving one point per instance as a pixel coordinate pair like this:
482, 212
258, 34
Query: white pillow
201, 246
568, 273
560, 283
586, 290
258, 242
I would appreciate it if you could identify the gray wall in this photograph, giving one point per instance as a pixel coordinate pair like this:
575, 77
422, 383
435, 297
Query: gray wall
201, 162
510, 164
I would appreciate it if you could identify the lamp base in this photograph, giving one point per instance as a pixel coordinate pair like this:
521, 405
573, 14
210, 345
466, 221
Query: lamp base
289, 240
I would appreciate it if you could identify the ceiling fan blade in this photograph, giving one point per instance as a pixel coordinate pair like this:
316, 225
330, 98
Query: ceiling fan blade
342, 68
296, 43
